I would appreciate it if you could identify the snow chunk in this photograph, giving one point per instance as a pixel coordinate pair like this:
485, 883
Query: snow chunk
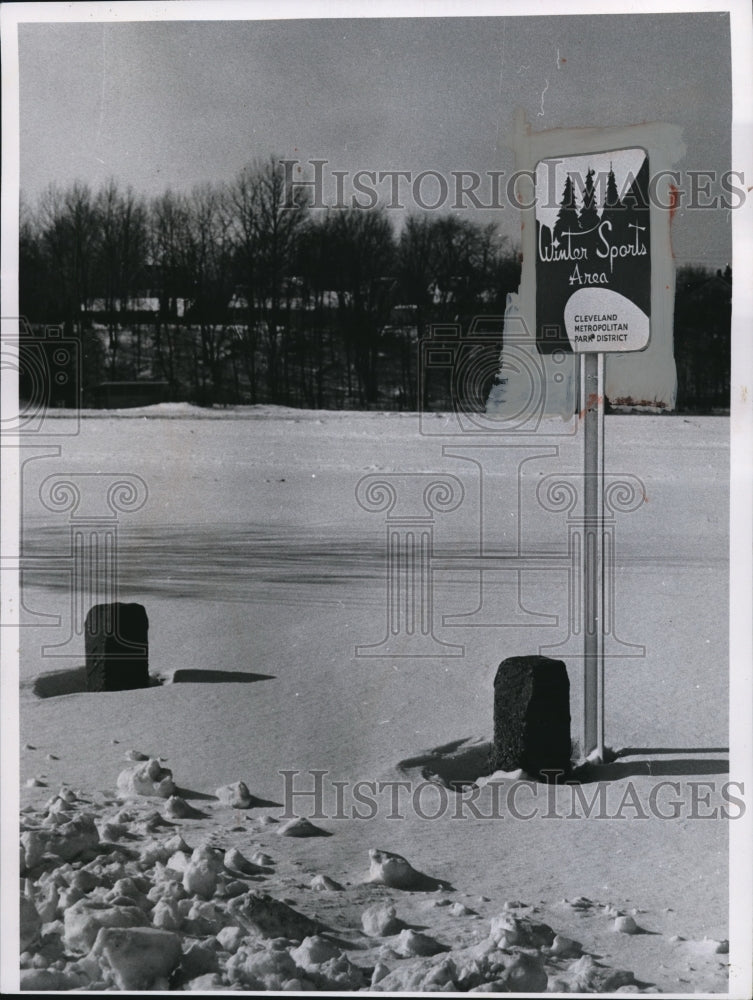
393, 870
148, 778
84, 880
31, 923
211, 855
230, 938
84, 920
199, 959
227, 888
179, 861
166, 915
203, 919
263, 915
200, 879
565, 947
236, 795
338, 974
66, 841
235, 862
178, 808
50, 980
301, 827
411, 943
314, 951
380, 971
132, 890
46, 902
323, 883
210, 983
380, 920
265, 968
327, 967
112, 831
626, 925
586, 976
261, 859
137, 956
176, 843
524, 974
58, 809
507, 930
424, 975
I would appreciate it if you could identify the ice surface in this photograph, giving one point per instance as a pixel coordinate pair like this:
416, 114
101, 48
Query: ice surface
261, 574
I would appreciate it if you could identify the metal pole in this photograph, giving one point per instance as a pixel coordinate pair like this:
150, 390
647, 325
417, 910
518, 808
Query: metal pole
600, 548
592, 407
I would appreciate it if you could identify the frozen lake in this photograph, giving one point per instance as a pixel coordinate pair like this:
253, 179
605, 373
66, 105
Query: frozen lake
252, 555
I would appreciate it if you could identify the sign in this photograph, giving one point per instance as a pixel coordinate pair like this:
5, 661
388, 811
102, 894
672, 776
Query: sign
593, 252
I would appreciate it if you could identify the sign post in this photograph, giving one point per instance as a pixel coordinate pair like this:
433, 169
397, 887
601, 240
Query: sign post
592, 556
593, 297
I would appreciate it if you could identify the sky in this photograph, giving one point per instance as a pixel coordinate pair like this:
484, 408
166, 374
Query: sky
174, 104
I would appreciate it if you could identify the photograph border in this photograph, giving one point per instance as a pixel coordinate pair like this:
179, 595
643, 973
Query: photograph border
741, 414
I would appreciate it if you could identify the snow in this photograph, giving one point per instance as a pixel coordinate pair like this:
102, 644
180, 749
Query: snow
261, 574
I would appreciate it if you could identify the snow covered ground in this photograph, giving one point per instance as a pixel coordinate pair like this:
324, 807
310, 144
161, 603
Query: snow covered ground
261, 574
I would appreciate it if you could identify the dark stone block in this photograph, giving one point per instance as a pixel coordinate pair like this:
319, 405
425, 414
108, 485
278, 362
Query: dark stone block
531, 716
117, 647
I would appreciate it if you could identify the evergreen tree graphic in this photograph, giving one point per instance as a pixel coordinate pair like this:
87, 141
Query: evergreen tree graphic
612, 199
589, 215
567, 217
614, 210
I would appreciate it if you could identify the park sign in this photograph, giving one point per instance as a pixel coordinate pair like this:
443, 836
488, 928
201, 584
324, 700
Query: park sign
593, 252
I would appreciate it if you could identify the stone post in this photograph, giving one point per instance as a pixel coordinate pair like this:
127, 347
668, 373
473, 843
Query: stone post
117, 647
531, 716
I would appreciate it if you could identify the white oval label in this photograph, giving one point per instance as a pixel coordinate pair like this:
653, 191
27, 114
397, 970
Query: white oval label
599, 319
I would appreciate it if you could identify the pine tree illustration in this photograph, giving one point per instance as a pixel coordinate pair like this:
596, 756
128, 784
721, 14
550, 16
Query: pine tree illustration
589, 215
567, 217
612, 199
614, 210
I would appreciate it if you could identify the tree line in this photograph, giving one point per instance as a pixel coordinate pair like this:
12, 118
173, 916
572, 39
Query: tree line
239, 292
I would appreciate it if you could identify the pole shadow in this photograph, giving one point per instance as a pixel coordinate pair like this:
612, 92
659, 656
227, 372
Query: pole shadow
655, 751
679, 768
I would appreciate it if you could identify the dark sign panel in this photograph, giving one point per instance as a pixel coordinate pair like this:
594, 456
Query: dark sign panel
593, 252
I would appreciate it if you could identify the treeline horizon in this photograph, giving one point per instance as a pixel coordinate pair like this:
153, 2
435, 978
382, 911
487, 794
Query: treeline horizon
240, 292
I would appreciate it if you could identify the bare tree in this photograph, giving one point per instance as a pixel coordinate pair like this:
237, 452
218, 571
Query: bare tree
209, 252
363, 252
70, 237
122, 221
244, 204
